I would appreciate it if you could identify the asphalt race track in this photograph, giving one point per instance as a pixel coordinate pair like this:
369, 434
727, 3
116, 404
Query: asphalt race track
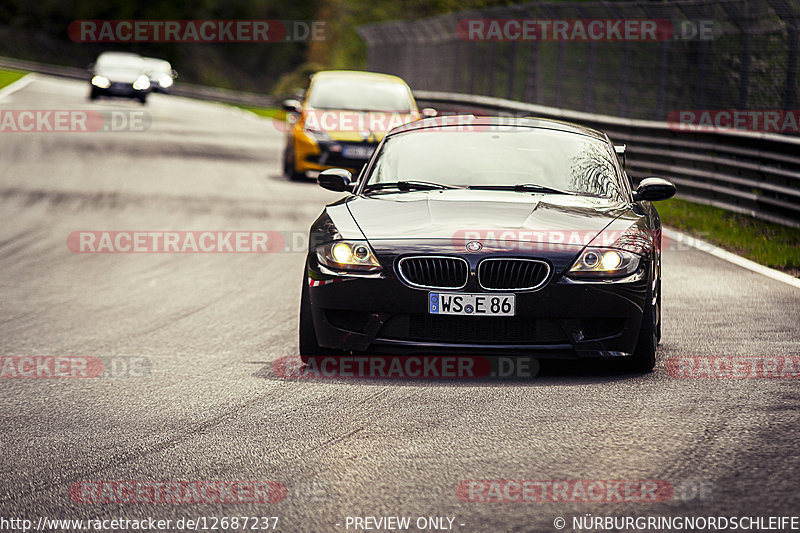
211, 325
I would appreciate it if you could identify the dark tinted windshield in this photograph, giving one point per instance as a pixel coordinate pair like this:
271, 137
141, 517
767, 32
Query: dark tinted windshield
360, 94
503, 157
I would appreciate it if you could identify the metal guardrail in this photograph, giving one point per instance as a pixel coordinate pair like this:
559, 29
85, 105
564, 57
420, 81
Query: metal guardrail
746, 172
180, 89
753, 173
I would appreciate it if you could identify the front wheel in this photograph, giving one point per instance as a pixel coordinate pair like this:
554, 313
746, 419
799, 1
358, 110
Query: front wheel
658, 314
289, 171
644, 355
309, 347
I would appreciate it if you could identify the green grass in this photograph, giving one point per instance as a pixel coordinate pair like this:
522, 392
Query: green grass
7, 77
770, 244
270, 112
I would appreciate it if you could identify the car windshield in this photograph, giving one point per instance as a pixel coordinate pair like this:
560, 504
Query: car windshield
528, 158
121, 63
357, 94
119, 60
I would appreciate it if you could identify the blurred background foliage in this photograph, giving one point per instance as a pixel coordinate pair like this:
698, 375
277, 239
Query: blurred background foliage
37, 30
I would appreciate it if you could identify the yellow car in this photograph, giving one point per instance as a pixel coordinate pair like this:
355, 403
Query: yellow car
343, 117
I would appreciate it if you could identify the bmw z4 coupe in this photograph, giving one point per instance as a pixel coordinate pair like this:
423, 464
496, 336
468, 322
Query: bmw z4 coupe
487, 235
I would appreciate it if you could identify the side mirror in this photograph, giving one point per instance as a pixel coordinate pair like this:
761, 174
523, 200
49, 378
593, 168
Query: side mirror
292, 106
620, 149
335, 179
654, 189
429, 112
174, 74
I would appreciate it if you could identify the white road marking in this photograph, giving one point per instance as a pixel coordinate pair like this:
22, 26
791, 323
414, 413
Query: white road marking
17, 85
731, 257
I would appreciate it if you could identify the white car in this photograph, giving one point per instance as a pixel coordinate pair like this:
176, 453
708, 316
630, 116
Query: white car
119, 74
161, 74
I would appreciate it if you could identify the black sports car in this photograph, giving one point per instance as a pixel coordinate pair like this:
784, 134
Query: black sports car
487, 235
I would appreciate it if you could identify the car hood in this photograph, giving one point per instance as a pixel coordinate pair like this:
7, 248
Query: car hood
352, 126
463, 214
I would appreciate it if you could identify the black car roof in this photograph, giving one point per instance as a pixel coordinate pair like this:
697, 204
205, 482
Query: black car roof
464, 121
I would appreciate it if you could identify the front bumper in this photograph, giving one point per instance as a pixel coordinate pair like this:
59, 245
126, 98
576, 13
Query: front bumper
321, 155
119, 89
565, 319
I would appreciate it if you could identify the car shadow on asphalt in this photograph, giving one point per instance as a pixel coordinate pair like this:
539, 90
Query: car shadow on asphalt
518, 371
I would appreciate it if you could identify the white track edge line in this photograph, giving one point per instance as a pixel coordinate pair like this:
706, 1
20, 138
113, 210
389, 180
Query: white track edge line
8, 90
731, 257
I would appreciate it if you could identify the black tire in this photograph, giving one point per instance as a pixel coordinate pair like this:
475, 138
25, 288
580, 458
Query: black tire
93, 95
644, 355
289, 171
658, 313
307, 341
142, 99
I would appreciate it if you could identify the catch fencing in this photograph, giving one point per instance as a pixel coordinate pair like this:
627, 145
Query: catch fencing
706, 55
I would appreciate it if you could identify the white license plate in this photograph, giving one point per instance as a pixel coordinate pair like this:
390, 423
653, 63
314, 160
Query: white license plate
357, 152
456, 303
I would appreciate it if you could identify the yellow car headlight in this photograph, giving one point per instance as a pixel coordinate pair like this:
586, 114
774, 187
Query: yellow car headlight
101, 81
165, 81
142, 83
315, 134
348, 256
604, 263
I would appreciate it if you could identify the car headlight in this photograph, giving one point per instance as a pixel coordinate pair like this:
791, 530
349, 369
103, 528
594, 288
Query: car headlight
142, 83
315, 134
348, 255
101, 81
165, 81
604, 263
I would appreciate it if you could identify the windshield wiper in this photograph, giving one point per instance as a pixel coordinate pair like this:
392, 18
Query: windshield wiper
521, 187
409, 185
